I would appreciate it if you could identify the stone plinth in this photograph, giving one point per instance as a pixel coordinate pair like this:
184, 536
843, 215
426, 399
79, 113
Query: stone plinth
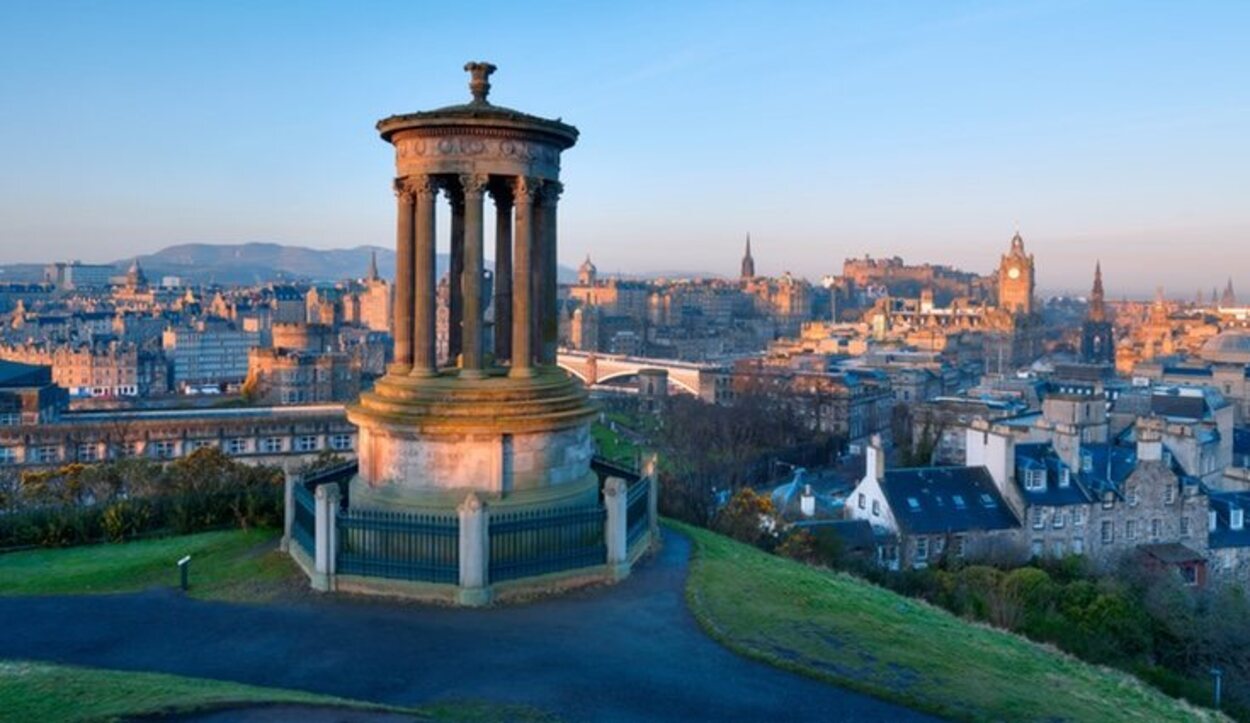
425, 441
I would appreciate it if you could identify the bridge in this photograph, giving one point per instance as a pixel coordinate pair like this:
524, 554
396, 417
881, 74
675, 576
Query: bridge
709, 382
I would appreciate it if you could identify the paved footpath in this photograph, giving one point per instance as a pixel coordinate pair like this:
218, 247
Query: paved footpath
626, 652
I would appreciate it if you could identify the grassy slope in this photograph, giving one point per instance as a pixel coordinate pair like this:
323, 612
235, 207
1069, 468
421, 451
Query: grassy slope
844, 630
62, 694
227, 565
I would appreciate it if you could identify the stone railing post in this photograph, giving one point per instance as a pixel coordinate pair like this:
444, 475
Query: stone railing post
650, 473
326, 507
616, 528
288, 509
474, 551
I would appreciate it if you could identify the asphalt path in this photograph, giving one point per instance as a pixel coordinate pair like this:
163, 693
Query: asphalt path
630, 651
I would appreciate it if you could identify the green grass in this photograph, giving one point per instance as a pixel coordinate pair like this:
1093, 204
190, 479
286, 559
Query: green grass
64, 694
612, 445
838, 628
227, 565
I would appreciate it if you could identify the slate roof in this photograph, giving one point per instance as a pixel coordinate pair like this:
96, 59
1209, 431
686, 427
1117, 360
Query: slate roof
1171, 553
929, 500
18, 375
1042, 455
1109, 465
1222, 504
852, 535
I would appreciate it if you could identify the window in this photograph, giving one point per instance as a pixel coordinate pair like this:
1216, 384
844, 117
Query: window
1236, 518
1035, 515
1184, 527
1035, 480
1170, 495
876, 508
1133, 497
8, 455
1058, 549
1078, 517
1211, 520
1156, 528
1057, 520
46, 453
130, 449
201, 444
1078, 545
10, 419
1189, 574
1108, 532
164, 449
271, 445
1087, 463
1130, 530
1065, 478
960, 545
959, 502
987, 501
88, 452
913, 504
306, 443
861, 501
344, 441
922, 548
237, 445
1108, 500
1036, 548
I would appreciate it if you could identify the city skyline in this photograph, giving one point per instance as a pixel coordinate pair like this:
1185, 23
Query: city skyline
236, 124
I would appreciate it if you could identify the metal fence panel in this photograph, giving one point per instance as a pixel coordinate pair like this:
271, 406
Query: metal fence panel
637, 512
527, 543
303, 529
397, 545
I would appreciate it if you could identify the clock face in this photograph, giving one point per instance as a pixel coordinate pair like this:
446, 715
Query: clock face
1013, 273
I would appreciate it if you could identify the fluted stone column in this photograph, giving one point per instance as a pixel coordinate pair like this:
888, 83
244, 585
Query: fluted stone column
549, 322
473, 186
523, 268
503, 273
538, 279
455, 297
424, 286
403, 275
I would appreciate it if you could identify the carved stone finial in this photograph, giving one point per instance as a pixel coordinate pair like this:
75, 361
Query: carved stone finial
479, 82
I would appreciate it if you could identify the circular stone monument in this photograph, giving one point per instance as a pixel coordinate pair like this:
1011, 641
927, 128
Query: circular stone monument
496, 416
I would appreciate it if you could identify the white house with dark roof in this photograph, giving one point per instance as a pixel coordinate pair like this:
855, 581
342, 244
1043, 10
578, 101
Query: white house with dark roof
922, 514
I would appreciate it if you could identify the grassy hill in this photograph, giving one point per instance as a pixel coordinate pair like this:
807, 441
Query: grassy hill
839, 628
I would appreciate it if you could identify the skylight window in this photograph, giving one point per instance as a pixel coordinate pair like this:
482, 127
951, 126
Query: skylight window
988, 501
959, 502
913, 503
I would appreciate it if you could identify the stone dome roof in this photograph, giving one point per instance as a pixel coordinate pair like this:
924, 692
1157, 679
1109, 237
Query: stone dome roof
481, 113
1230, 347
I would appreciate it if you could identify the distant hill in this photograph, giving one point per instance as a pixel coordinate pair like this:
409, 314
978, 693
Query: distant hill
258, 263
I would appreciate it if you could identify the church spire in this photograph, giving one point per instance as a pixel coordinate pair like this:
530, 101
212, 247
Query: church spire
748, 263
1097, 302
1229, 299
372, 274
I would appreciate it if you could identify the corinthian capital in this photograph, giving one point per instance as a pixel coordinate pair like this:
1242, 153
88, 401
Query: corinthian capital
474, 184
549, 193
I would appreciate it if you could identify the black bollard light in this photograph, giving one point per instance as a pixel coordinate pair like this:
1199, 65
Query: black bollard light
184, 571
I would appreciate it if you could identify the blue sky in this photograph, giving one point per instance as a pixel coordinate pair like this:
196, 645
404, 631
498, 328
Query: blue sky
1112, 130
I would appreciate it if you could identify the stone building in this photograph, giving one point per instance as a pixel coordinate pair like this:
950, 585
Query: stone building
97, 369
854, 405
294, 376
1097, 331
921, 514
208, 353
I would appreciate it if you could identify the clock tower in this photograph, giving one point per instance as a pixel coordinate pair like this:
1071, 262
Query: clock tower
1015, 279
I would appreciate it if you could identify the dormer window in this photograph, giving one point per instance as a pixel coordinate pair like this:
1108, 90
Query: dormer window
1211, 521
1236, 518
1035, 480
1087, 462
1065, 477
